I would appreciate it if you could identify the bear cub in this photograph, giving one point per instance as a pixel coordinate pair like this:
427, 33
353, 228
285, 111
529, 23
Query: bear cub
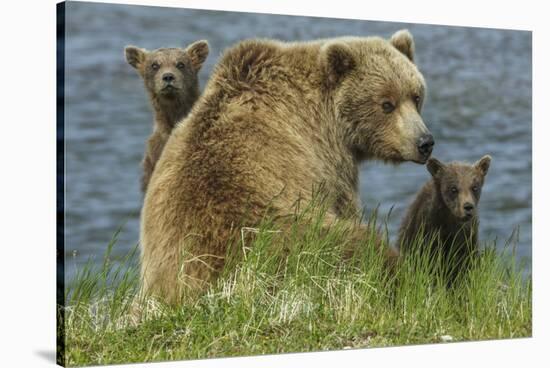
170, 76
445, 213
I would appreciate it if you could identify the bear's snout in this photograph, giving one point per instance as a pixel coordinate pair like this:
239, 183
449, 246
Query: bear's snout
469, 210
425, 145
168, 78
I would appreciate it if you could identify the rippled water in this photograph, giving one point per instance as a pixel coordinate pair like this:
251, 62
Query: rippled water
479, 101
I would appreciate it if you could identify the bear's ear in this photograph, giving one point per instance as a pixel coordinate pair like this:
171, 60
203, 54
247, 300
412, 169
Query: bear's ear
483, 164
404, 42
337, 60
435, 166
198, 52
134, 55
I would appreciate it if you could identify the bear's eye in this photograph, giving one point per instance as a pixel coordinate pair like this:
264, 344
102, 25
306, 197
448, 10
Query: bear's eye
475, 188
454, 190
388, 107
417, 101
155, 66
180, 65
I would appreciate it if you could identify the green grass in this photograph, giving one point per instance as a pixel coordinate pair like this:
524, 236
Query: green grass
293, 293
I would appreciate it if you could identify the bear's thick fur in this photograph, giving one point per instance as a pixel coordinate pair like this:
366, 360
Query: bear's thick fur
170, 77
275, 120
444, 213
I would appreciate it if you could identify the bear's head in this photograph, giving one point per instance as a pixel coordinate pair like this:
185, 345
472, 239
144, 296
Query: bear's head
378, 94
459, 185
168, 72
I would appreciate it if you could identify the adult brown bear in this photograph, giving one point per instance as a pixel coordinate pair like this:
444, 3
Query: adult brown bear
275, 120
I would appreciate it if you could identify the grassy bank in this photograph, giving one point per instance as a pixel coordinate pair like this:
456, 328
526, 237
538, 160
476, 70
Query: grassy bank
303, 299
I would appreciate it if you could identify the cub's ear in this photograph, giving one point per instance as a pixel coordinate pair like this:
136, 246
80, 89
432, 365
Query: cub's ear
337, 60
435, 166
198, 51
134, 55
483, 164
404, 42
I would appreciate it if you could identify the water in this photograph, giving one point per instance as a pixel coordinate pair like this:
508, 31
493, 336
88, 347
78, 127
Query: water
479, 101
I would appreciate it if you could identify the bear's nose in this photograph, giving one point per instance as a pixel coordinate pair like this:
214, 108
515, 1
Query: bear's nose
426, 144
168, 77
468, 207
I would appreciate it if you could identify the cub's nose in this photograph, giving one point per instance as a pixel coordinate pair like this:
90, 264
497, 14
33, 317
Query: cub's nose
425, 145
468, 207
168, 77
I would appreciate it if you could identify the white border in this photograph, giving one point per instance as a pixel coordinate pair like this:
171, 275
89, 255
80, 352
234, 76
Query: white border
27, 180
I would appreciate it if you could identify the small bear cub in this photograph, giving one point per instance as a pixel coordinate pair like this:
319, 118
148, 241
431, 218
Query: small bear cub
170, 76
445, 212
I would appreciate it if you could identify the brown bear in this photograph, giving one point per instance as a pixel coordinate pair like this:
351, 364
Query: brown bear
170, 76
443, 218
275, 120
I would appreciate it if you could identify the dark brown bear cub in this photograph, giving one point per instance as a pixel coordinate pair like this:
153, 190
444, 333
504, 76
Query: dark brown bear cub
444, 213
170, 76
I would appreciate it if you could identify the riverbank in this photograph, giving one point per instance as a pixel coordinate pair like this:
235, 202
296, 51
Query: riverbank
306, 299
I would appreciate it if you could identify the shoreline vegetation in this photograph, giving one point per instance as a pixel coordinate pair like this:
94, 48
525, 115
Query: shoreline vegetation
277, 298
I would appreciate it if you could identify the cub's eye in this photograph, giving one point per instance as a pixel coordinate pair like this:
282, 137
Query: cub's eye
388, 107
475, 188
180, 65
416, 100
155, 66
454, 190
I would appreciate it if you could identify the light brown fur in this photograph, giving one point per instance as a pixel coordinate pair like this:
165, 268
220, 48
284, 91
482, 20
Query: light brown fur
171, 99
275, 121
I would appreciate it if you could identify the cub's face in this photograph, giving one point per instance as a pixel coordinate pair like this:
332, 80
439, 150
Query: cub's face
168, 72
460, 185
378, 94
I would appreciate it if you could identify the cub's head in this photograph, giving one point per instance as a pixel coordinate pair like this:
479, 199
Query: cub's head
378, 94
168, 72
460, 185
